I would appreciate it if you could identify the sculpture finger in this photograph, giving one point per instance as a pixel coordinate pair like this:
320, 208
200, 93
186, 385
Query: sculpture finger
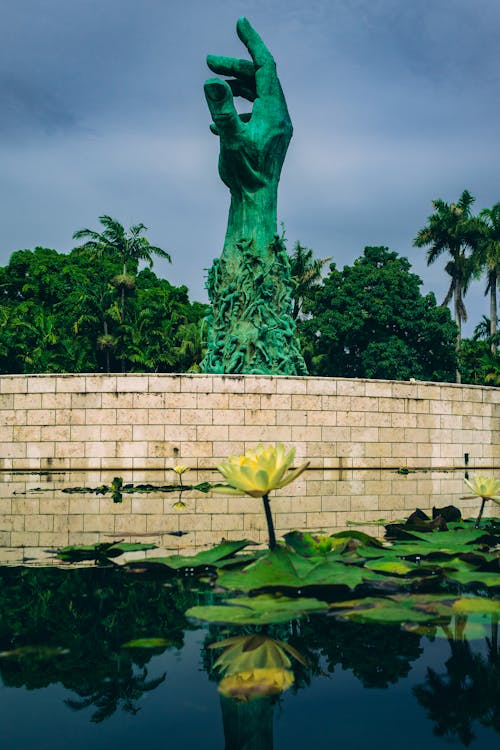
254, 44
266, 79
220, 103
231, 66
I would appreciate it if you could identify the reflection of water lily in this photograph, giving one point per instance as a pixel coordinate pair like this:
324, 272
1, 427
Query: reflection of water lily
257, 473
180, 469
254, 665
261, 470
179, 505
256, 683
487, 488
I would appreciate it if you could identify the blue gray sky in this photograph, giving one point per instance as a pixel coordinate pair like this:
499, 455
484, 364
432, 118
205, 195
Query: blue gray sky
394, 103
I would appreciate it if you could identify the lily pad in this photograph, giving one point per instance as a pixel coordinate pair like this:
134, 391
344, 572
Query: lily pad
257, 610
146, 643
209, 557
282, 569
80, 552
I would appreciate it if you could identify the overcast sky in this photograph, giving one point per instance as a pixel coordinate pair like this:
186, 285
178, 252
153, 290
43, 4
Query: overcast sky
394, 103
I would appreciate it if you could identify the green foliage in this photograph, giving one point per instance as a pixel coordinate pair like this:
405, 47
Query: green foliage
371, 320
61, 313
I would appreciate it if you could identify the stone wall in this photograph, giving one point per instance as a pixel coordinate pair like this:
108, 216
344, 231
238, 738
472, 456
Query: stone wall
377, 450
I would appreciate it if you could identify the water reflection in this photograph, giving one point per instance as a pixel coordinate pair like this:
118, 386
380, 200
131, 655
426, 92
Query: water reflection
96, 632
469, 690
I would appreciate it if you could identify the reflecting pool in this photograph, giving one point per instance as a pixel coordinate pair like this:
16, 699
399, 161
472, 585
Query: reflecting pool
104, 657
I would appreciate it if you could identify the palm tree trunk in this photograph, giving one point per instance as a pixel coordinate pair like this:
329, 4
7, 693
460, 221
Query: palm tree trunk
493, 310
106, 350
458, 321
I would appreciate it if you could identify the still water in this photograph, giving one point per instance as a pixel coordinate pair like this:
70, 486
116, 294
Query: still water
71, 675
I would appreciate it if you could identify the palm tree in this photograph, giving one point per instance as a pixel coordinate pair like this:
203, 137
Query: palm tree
452, 229
129, 247
306, 275
490, 261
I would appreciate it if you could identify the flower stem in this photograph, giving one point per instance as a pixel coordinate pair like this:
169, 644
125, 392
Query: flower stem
478, 521
269, 519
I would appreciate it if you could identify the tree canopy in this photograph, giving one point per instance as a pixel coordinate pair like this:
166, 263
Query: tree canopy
371, 320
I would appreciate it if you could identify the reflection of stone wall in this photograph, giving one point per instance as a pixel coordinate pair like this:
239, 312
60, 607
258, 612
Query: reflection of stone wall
71, 430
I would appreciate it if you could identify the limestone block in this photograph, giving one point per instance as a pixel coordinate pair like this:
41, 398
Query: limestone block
212, 504
262, 417
351, 418
86, 400
165, 383
229, 522
392, 405
132, 383
39, 523
56, 401
100, 416
258, 434
351, 387
24, 539
212, 401
364, 434
13, 417
290, 521
134, 524
70, 416
116, 432
72, 449
365, 502
350, 450
147, 432
147, 505
165, 522
223, 449
336, 434
212, 432
132, 416
110, 449
324, 521
281, 401
442, 407
84, 504
308, 433
196, 416
378, 419
54, 505
55, 432
197, 383
259, 384
335, 502
27, 401
194, 450
100, 383
244, 401
321, 386
379, 389
13, 384
151, 462
291, 385
40, 450
400, 419
228, 416
322, 418
70, 383
148, 400
41, 384
98, 522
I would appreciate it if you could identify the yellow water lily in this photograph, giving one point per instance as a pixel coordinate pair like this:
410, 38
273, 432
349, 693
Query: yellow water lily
487, 488
180, 469
259, 471
256, 683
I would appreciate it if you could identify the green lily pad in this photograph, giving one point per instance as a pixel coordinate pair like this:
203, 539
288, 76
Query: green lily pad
382, 610
394, 565
281, 569
485, 578
80, 552
146, 643
257, 610
209, 557
311, 545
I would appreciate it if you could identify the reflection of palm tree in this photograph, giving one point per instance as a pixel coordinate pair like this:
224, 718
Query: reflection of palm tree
470, 689
120, 690
490, 261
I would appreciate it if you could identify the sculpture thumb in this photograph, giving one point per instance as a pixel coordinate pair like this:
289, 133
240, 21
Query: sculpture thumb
221, 105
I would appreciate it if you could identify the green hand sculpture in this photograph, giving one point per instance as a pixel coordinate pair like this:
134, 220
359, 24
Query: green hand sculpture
250, 328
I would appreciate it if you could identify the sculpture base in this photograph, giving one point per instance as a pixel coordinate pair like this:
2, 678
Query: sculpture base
250, 326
